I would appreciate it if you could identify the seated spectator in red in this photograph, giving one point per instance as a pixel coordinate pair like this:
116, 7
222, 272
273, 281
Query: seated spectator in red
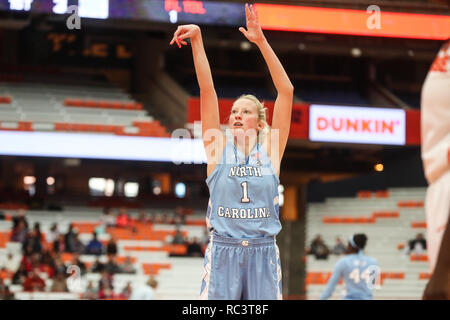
111, 247
105, 286
33, 282
59, 245
59, 283
26, 260
91, 293
126, 292
19, 233
127, 266
122, 219
94, 247
194, 249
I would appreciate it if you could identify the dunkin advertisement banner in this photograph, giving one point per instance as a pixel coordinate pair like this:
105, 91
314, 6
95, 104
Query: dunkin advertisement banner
357, 125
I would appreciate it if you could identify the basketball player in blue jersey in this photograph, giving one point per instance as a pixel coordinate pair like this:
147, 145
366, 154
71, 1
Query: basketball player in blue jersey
360, 272
242, 259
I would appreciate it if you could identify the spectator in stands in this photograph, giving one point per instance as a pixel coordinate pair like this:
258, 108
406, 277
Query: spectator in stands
21, 216
194, 249
78, 246
91, 293
69, 238
143, 218
59, 265
318, 248
111, 265
20, 275
122, 219
59, 245
339, 248
98, 266
26, 260
178, 238
34, 239
107, 219
59, 283
105, 286
47, 263
111, 247
146, 292
53, 234
128, 266
7, 294
77, 262
126, 292
19, 232
94, 246
10, 263
417, 245
33, 282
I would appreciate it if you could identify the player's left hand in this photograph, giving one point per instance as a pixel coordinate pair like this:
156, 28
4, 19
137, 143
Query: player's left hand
253, 33
437, 288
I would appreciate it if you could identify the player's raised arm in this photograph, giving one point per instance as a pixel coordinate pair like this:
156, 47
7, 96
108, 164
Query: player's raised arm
281, 119
208, 98
332, 282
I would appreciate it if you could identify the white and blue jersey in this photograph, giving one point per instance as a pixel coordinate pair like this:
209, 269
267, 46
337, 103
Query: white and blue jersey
360, 274
243, 195
242, 260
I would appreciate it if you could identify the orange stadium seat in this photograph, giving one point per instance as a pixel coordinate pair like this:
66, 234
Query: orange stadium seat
410, 204
5, 99
418, 224
153, 268
424, 276
418, 257
382, 194
363, 194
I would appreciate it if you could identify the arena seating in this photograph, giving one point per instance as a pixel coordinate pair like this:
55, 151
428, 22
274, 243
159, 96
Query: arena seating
93, 107
150, 256
387, 221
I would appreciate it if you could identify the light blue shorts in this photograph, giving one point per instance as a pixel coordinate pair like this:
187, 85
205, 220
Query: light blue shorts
241, 269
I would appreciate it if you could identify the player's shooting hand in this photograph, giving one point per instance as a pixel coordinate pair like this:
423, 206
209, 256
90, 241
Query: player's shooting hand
253, 33
184, 32
437, 288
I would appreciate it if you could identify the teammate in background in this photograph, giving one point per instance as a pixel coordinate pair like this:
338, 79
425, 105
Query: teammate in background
435, 136
242, 259
360, 272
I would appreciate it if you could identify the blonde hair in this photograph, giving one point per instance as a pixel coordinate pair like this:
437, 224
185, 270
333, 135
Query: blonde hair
260, 109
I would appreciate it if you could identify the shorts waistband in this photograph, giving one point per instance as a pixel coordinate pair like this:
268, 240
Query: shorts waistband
235, 242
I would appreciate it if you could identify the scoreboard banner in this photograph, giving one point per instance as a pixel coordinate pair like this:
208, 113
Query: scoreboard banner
164, 11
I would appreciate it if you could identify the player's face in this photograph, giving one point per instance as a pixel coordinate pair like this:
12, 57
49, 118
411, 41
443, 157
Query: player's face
244, 117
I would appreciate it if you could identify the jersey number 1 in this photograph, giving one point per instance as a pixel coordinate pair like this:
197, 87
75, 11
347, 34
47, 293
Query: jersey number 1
245, 198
